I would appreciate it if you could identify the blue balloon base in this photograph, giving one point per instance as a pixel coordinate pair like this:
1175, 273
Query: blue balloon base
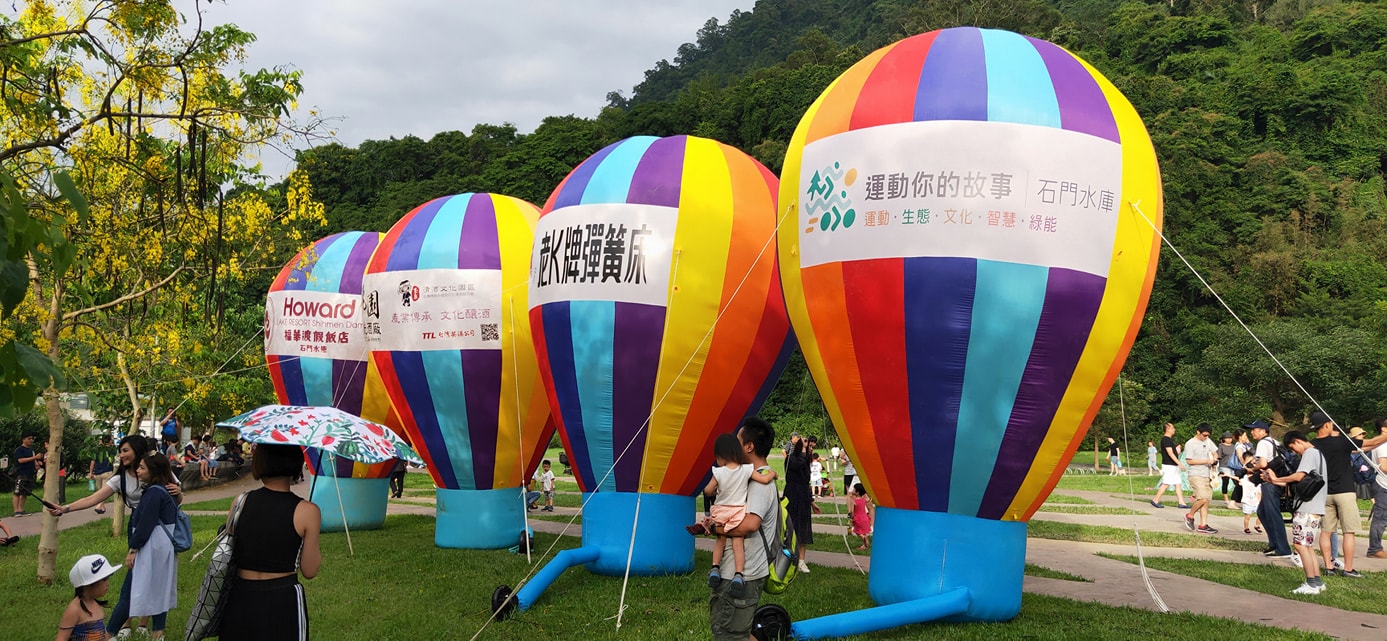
479, 519
662, 544
930, 566
362, 502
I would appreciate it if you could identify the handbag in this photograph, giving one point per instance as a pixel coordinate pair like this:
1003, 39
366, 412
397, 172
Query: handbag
205, 620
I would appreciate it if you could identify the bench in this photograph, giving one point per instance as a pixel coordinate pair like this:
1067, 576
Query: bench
190, 479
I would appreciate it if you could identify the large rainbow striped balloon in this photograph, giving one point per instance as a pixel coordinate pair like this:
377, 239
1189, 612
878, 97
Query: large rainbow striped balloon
445, 304
656, 308
317, 356
967, 269
659, 324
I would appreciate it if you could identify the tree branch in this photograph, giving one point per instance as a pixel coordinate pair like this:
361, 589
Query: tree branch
126, 298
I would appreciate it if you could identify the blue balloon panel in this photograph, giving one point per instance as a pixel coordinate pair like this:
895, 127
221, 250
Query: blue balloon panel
362, 500
479, 519
660, 549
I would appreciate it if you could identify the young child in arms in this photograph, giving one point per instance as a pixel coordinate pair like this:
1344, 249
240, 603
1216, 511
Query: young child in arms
729, 486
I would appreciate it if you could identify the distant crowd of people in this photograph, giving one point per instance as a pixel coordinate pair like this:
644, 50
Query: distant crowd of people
1313, 474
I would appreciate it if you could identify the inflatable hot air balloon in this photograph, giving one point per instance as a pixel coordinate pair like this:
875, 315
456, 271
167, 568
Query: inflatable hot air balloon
317, 356
968, 264
659, 323
445, 318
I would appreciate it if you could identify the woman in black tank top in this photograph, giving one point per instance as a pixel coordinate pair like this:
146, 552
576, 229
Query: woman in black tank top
276, 539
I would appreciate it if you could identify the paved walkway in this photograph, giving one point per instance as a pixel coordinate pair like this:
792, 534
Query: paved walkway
1111, 582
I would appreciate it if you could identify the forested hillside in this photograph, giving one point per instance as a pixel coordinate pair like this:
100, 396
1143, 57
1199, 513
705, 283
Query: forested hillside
1269, 119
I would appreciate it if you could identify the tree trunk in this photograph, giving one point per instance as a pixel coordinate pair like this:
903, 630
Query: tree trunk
1095, 455
48, 535
136, 410
136, 417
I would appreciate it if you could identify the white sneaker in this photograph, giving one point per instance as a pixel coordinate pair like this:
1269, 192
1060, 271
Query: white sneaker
123, 634
804, 567
1338, 564
1306, 588
1295, 558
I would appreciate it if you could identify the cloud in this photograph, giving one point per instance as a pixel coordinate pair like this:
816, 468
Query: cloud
418, 67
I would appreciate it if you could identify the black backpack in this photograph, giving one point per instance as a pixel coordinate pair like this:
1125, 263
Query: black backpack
1285, 461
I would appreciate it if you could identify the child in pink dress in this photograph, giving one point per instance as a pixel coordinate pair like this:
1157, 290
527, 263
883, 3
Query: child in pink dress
862, 512
729, 484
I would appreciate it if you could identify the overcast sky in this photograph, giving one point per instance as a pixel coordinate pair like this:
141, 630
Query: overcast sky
394, 68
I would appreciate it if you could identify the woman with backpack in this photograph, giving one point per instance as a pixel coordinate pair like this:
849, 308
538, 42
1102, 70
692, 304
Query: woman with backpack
152, 560
1229, 466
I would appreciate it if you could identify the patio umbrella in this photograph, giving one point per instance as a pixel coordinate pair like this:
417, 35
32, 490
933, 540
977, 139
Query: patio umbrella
326, 428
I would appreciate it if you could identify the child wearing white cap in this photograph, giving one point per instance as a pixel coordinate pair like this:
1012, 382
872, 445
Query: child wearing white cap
82, 620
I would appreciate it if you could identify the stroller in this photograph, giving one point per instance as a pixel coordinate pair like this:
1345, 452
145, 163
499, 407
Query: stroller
563, 460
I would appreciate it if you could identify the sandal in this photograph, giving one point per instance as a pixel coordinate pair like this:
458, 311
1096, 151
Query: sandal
1247, 531
1258, 528
696, 529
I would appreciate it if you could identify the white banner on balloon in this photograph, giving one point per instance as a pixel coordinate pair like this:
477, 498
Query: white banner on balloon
608, 252
432, 309
990, 190
314, 324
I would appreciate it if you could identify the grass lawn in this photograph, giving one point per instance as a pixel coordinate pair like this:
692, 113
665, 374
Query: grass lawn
1047, 573
1368, 594
1087, 509
1105, 483
399, 586
1040, 529
215, 505
1068, 500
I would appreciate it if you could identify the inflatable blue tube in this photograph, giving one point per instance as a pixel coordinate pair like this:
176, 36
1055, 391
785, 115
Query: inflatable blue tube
562, 561
935, 608
363, 502
662, 547
932, 566
479, 519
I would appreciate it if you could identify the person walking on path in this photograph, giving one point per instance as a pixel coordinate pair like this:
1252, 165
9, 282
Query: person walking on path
1269, 510
26, 462
1309, 515
797, 491
1227, 454
1151, 467
1341, 506
1252, 499
1201, 455
1170, 469
1378, 525
276, 540
849, 472
397, 478
863, 514
1114, 458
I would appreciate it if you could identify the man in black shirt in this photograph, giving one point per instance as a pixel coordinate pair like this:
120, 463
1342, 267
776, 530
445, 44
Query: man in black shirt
1341, 506
1170, 469
26, 463
1114, 457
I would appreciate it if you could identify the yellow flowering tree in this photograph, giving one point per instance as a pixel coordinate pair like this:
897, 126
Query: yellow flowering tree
136, 100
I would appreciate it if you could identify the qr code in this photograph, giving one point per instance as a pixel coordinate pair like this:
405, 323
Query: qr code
490, 332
